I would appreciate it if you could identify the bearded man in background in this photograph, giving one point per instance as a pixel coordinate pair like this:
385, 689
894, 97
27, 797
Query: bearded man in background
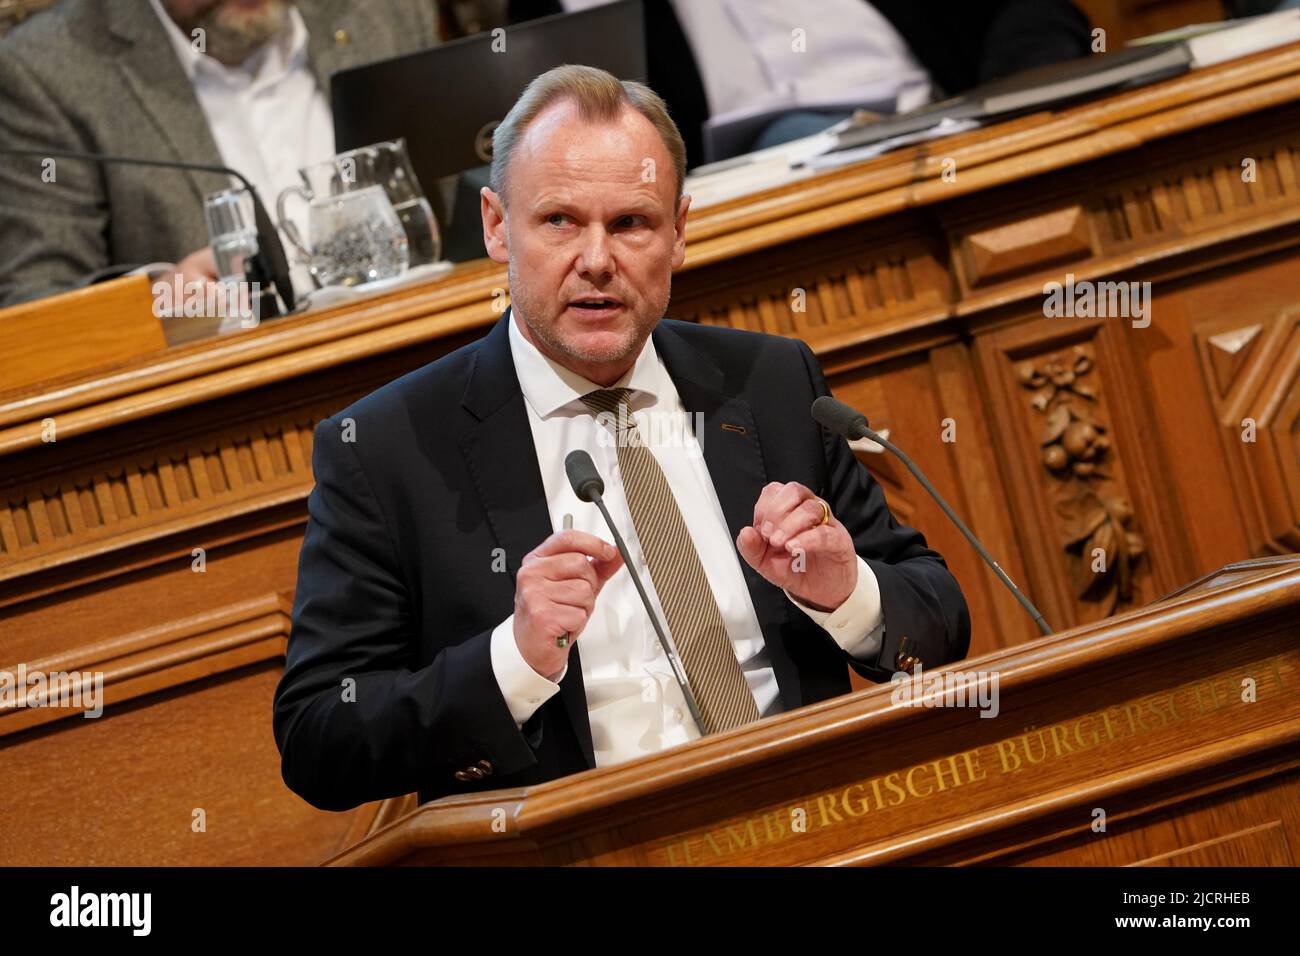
237, 83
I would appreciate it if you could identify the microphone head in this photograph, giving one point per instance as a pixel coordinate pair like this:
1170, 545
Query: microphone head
840, 418
583, 476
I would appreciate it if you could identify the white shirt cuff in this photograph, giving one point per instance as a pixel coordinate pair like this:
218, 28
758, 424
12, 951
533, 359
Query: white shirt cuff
858, 624
522, 687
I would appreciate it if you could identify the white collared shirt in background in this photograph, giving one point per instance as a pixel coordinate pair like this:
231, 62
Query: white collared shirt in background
634, 703
268, 116
749, 61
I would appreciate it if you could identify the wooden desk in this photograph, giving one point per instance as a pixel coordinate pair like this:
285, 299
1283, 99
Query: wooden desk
918, 278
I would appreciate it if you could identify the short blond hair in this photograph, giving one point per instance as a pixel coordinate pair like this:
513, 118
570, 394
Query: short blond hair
600, 97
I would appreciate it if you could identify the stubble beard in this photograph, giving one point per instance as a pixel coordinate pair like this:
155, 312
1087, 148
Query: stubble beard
545, 333
231, 35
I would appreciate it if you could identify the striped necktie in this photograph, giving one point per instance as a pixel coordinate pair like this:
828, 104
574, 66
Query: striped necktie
694, 621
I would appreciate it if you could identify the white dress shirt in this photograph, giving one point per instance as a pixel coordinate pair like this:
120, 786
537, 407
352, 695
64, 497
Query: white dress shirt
268, 115
748, 62
634, 704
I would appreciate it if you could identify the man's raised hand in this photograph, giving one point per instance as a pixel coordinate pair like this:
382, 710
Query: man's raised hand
555, 592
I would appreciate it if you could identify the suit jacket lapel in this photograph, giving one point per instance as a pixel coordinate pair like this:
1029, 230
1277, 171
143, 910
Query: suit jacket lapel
158, 81
503, 460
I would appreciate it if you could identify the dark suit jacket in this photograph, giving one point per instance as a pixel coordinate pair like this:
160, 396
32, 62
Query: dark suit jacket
961, 43
396, 588
97, 76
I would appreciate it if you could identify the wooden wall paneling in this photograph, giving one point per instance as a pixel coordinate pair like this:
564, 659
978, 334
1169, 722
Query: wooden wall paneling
1204, 359
189, 663
1136, 433
237, 457
157, 618
1024, 244
1084, 481
1167, 198
978, 494
122, 789
867, 281
1182, 423
175, 483
1250, 362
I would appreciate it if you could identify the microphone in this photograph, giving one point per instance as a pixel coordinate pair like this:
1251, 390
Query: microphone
850, 423
583, 476
269, 267
589, 486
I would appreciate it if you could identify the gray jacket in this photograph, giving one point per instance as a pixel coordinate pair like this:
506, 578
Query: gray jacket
102, 76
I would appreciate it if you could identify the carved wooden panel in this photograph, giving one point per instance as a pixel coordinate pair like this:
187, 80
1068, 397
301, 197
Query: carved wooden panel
822, 289
1062, 235
1087, 493
1167, 197
1246, 180
145, 494
1252, 372
1096, 534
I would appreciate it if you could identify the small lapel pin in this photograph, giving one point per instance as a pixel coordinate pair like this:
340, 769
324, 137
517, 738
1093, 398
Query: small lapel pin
738, 429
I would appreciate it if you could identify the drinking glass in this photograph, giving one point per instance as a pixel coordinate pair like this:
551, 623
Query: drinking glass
232, 231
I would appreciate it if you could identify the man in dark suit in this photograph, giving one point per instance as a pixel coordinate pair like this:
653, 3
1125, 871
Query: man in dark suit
447, 638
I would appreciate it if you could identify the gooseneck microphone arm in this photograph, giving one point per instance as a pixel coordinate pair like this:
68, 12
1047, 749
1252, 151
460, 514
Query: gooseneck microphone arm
270, 261
589, 486
850, 423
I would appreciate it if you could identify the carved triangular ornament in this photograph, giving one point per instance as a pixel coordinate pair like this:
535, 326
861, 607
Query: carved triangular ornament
1228, 353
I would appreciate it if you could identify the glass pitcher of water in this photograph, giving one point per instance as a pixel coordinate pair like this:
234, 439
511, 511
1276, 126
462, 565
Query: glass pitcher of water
389, 165
354, 238
385, 166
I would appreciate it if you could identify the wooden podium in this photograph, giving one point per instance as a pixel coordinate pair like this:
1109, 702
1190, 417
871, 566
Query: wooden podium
1167, 736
